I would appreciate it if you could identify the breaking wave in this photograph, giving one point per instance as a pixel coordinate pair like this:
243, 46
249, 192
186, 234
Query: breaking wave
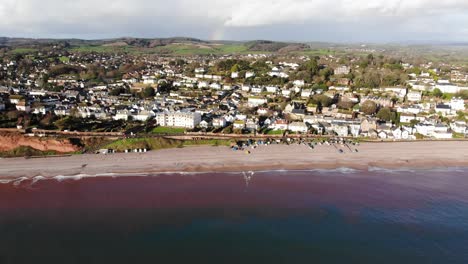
247, 174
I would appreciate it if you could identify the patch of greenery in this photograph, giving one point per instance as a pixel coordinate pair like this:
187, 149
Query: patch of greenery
275, 132
144, 143
210, 142
64, 59
458, 135
23, 51
167, 130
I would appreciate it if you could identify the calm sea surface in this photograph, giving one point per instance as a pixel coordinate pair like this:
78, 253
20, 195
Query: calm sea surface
338, 216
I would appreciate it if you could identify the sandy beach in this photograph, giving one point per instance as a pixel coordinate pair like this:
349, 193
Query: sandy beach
395, 155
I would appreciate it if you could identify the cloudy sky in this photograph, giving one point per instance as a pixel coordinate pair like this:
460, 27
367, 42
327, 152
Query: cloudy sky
293, 20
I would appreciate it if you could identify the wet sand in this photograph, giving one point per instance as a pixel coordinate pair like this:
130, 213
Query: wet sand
395, 155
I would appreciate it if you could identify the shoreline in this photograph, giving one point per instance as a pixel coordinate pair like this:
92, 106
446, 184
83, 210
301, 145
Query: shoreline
208, 159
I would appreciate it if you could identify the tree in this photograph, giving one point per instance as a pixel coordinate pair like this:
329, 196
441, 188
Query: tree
342, 104
117, 91
369, 107
386, 114
414, 122
148, 92
235, 68
437, 93
324, 100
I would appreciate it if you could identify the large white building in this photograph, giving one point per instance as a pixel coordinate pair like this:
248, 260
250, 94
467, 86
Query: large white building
178, 119
447, 87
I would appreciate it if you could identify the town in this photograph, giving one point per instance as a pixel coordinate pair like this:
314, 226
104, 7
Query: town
370, 96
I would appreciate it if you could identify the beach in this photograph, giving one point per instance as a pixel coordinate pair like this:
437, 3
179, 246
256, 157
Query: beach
394, 155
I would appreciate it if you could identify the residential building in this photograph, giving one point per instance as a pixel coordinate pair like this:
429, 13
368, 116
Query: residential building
249, 75
178, 119
256, 101
219, 122
342, 70
459, 127
298, 127
425, 129
414, 96
239, 124
457, 104
445, 109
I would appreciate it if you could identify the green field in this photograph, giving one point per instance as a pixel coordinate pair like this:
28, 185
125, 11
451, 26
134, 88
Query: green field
171, 49
161, 143
275, 132
23, 51
64, 59
208, 142
144, 143
167, 130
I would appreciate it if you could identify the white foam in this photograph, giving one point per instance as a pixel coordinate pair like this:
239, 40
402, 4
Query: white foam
38, 178
18, 181
5, 181
416, 170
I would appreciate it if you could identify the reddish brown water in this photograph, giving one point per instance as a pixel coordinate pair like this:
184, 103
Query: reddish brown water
277, 217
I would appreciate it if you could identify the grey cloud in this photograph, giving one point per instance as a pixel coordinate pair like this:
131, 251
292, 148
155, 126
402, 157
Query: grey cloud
334, 20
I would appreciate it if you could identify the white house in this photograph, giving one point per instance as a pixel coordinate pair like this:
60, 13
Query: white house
219, 122
149, 80
459, 127
122, 115
340, 128
204, 124
383, 135
412, 109
298, 127
257, 89
355, 129
414, 96
425, 129
245, 88
215, 86
23, 106
272, 89
235, 75
178, 119
143, 115
397, 133
286, 92
279, 124
256, 101
342, 70
249, 75
203, 84
306, 93
457, 104
299, 83
239, 124
445, 109
407, 118
263, 111
200, 70
442, 135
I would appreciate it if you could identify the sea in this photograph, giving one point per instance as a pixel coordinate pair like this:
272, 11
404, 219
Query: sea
316, 216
